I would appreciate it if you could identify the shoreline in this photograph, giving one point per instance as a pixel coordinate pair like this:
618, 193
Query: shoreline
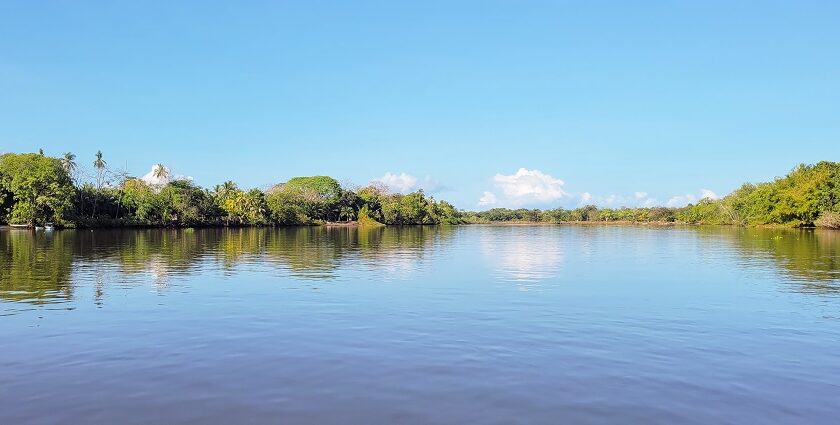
587, 223
356, 225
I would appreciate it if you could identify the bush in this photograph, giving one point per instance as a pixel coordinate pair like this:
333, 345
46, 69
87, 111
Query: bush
828, 220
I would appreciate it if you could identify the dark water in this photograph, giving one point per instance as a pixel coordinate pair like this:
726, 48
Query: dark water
434, 325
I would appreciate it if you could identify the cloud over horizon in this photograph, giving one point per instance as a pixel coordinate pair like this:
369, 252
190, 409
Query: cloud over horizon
402, 182
689, 198
534, 187
405, 183
152, 180
524, 187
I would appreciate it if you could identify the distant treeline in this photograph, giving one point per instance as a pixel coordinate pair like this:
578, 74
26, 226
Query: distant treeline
809, 195
589, 213
35, 189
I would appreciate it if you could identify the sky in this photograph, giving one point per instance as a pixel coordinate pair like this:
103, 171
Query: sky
482, 103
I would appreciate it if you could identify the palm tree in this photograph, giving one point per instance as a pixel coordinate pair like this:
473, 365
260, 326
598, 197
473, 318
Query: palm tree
346, 212
160, 172
99, 164
229, 187
68, 162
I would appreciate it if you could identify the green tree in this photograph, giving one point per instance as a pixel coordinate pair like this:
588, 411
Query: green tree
100, 166
284, 208
38, 186
317, 196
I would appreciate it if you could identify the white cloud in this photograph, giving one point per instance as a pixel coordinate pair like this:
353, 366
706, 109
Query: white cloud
405, 183
637, 199
706, 193
152, 180
529, 186
402, 182
643, 199
488, 198
690, 198
430, 185
535, 187
681, 200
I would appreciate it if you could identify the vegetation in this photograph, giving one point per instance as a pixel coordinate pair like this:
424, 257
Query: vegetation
809, 195
35, 189
829, 220
589, 213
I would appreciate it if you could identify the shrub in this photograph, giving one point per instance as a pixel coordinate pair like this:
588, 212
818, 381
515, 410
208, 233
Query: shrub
829, 220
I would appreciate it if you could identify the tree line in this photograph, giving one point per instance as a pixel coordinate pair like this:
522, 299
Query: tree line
807, 196
35, 189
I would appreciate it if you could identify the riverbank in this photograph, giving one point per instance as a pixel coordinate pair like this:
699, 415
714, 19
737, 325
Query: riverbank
586, 223
356, 224
809, 195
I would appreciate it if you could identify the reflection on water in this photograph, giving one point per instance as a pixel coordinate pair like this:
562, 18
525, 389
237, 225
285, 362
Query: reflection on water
39, 267
523, 253
420, 325
810, 257
36, 267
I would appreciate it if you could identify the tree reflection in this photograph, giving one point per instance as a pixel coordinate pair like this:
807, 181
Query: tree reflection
35, 267
809, 256
39, 267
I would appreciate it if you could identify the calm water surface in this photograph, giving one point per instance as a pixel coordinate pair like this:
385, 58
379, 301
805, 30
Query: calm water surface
420, 325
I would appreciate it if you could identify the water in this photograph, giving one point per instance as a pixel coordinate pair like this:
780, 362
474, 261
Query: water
420, 325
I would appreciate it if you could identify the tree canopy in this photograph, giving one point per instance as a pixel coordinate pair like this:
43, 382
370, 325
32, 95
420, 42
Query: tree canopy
35, 189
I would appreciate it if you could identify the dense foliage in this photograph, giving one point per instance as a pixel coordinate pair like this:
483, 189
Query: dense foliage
35, 189
808, 195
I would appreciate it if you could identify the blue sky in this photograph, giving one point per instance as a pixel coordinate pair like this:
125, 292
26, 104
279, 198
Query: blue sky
534, 103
